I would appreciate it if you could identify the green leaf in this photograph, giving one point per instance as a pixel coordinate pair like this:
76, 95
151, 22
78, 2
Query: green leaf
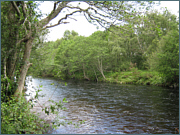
65, 83
64, 100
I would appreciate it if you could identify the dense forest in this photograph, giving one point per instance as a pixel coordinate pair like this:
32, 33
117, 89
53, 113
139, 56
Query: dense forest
143, 51
139, 46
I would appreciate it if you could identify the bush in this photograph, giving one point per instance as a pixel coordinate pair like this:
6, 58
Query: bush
16, 118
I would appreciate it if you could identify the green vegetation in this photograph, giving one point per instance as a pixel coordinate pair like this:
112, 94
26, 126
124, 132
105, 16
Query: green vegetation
135, 76
16, 118
139, 49
132, 53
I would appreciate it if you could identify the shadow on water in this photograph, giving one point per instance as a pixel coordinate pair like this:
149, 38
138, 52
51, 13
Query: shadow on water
112, 108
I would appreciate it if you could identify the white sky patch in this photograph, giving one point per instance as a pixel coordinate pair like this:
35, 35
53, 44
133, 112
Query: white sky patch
82, 26
172, 6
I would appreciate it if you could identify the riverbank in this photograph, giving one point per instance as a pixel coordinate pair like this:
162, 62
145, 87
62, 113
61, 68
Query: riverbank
140, 77
133, 76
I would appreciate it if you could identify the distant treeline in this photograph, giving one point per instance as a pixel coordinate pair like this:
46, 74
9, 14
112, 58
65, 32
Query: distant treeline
148, 44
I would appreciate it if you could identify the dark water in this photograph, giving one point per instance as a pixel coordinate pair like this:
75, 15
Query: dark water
112, 108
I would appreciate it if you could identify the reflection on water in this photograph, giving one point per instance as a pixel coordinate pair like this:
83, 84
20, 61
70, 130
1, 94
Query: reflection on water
113, 108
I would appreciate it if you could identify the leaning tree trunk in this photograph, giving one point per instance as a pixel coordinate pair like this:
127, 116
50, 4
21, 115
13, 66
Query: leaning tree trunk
24, 67
100, 68
29, 38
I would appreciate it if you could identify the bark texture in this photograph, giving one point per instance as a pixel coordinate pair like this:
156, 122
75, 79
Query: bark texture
24, 67
28, 39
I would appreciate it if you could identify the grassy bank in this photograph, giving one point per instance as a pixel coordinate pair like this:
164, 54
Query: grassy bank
135, 76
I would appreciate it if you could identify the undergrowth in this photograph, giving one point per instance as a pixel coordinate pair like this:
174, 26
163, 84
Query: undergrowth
135, 76
16, 118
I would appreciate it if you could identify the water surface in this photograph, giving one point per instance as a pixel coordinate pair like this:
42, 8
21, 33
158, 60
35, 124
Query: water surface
113, 108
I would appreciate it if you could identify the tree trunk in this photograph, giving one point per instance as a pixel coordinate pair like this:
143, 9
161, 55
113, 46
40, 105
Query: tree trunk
24, 67
95, 74
12, 64
85, 77
29, 40
100, 68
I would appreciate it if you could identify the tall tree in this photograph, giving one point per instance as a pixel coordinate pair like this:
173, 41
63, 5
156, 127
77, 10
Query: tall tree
22, 16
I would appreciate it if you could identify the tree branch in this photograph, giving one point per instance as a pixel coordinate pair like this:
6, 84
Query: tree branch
55, 3
15, 6
24, 7
54, 25
53, 13
24, 39
60, 21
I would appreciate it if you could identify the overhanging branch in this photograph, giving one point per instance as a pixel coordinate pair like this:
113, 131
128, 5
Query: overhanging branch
60, 21
53, 13
54, 25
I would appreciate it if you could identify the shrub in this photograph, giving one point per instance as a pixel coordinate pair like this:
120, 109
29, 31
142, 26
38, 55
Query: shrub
16, 118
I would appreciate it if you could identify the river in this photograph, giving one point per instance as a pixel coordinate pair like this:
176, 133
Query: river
111, 108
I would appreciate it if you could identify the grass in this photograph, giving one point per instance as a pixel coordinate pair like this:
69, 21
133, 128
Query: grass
135, 76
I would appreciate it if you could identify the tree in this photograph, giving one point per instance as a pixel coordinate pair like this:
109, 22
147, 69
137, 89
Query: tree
17, 31
98, 44
82, 54
166, 58
42, 58
26, 24
150, 29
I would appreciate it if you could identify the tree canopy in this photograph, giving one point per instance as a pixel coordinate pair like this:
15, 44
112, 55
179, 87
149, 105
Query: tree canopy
145, 45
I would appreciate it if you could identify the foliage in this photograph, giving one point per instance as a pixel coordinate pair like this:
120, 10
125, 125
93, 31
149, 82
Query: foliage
17, 117
22, 26
135, 76
18, 23
166, 58
141, 43
130, 42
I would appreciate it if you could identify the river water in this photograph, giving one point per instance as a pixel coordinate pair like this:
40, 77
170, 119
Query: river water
111, 108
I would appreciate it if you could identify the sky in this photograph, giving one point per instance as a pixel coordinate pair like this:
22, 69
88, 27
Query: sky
82, 26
